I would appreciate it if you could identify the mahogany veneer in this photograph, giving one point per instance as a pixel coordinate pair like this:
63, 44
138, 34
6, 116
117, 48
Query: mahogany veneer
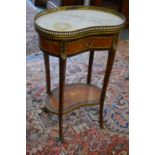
68, 31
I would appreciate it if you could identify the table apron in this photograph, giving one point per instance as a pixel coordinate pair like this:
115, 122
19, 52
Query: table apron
75, 47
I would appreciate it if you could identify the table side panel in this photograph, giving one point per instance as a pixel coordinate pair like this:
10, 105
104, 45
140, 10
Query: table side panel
49, 46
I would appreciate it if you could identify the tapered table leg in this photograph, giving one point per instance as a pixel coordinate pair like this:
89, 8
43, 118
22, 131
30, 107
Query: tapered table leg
47, 70
62, 70
91, 57
111, 56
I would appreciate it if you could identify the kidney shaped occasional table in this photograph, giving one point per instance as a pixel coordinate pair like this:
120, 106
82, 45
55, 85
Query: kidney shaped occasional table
68, 31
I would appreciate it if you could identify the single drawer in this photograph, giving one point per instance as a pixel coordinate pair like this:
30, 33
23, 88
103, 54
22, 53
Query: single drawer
75, 47
88, 44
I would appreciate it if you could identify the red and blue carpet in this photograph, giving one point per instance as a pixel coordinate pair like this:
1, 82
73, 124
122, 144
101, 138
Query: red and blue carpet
81, 128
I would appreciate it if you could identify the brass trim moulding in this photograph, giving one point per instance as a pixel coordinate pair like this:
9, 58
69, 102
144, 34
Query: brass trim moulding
68, 35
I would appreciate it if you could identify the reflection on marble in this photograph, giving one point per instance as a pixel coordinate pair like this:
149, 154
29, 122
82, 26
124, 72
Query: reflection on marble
71, 20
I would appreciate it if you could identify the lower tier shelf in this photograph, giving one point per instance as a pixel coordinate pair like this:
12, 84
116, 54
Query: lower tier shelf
75, 96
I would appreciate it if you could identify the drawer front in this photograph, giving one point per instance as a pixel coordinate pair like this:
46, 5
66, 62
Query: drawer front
89, 43
76, 47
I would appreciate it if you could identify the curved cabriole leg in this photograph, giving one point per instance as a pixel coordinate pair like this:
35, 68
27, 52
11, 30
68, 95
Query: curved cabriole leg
111, 56
47, 70
62, 70
91, 57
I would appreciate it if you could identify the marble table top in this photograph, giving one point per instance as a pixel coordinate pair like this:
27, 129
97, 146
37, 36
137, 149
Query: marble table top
72, 20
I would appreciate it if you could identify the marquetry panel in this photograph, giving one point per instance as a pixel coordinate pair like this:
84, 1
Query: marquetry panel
75, 96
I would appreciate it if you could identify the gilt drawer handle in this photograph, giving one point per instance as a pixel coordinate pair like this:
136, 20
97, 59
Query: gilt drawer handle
89, 44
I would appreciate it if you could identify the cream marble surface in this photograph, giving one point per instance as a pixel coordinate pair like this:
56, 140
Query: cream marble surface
71, 20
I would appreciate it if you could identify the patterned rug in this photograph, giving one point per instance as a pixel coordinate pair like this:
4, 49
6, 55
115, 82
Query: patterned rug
31, 34
81, 128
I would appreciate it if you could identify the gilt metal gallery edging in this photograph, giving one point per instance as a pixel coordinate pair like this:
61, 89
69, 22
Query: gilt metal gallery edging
80, 32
